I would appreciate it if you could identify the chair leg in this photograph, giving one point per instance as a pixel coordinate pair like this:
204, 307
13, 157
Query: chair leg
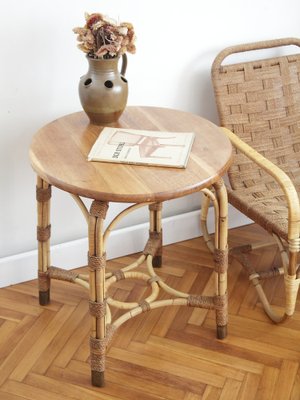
289, 262
97, 263
156, 230
221, 261
43, 196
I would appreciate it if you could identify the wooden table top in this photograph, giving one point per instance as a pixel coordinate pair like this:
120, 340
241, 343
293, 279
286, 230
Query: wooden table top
59, 150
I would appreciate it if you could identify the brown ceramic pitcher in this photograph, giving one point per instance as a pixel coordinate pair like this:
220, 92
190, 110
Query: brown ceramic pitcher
103, 91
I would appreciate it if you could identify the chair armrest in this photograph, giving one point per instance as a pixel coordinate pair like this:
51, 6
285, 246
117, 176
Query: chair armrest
281, 178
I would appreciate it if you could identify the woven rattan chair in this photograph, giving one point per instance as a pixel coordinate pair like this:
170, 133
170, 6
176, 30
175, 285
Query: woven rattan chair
260, 102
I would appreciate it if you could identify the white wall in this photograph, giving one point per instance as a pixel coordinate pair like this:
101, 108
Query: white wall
40, 68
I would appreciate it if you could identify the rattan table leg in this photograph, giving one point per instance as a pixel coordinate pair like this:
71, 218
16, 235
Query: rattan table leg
156, 230
43, 196
97, 263
221, 261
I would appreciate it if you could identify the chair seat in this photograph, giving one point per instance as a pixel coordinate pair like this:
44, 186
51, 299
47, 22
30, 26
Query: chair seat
268, 209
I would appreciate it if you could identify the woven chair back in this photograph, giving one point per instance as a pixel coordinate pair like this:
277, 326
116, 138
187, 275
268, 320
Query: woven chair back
260, 102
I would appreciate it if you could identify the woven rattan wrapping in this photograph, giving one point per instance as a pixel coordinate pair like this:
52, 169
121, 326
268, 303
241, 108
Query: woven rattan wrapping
119, 275
260, 102
221, 260
155, 207
145, 306
97, 309
98, 348
221, 304
96, 263
43, 233
200, 301
62, 274
99, 209
43, 194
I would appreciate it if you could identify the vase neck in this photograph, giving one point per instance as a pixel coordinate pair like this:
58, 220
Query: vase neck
109, 64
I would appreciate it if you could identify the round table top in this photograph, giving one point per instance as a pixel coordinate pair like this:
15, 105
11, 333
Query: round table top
59, 150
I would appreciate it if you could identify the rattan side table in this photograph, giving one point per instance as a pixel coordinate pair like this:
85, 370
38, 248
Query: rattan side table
58, 155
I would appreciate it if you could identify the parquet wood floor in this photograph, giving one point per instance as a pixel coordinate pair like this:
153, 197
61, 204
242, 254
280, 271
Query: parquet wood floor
169, 353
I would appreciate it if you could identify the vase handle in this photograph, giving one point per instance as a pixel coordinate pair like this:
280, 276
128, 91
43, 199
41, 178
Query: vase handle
124, 64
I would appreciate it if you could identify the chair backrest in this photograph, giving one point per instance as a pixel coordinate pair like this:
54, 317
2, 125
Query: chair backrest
260, 102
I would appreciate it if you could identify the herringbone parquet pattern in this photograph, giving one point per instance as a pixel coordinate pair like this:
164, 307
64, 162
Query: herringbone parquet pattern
169, 353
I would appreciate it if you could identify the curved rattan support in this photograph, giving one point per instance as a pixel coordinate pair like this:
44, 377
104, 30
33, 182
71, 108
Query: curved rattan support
208, 196
84, 277
290, 278
139, 310
121, 215
82, 206
129, 267
82, 283
266, 305
161, 283
130, 305
213, 198
108, 314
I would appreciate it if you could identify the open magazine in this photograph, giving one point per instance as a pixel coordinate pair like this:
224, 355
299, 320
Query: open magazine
133, 146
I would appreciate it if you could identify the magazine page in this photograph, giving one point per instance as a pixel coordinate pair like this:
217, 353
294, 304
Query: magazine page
132, 146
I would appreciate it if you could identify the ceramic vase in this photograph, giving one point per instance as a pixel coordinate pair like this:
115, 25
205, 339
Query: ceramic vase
103, 91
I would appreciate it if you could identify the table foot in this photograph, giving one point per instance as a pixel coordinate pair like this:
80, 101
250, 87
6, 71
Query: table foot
157, 261
221, 332
97, 378
44, 297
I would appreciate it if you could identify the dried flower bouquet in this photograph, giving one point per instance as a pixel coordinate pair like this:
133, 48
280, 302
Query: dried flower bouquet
102, 37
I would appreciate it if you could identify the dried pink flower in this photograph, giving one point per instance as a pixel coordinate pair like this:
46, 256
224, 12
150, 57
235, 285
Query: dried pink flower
103, 37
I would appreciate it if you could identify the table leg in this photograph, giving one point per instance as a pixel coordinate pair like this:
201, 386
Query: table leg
97, 263
43, 196
156, 231
221, 261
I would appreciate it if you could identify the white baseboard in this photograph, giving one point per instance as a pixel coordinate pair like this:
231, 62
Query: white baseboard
23, 267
